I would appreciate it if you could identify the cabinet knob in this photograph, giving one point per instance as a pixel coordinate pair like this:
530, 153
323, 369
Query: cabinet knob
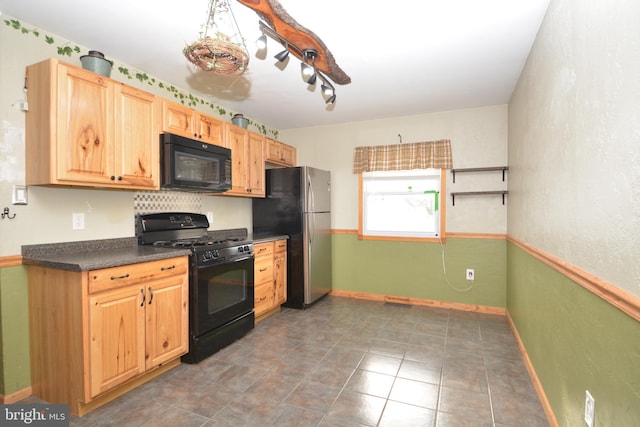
113, 178
119, 178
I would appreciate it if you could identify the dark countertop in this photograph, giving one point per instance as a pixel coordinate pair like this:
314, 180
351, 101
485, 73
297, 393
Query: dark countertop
257, 239
95, 254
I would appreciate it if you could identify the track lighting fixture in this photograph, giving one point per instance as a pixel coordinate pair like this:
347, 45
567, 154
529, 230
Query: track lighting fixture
327, 89
310, 74
281, 56
261, 43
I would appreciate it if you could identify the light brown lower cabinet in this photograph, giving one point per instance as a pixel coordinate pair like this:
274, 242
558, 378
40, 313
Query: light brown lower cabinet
97, 334
270, 277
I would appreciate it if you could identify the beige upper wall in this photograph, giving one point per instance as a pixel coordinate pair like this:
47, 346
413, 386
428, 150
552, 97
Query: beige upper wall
478, 137
574, 140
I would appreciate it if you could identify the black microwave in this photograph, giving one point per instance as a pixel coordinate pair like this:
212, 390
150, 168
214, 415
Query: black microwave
191, 165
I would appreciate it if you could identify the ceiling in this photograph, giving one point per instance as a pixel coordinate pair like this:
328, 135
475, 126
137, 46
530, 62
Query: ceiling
404, 57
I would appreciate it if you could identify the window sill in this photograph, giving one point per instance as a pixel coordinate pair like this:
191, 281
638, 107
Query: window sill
441, 239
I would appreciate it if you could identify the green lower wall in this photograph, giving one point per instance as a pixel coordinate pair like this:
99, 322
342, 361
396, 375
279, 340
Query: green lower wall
414, 269
576, 341
14, 330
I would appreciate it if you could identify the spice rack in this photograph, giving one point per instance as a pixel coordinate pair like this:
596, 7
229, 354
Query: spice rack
503, 193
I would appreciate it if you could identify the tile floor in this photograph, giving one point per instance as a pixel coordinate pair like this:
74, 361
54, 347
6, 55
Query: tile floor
345, 362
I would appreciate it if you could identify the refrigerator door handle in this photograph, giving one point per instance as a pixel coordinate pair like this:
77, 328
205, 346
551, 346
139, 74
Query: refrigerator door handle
311, 200
311, 230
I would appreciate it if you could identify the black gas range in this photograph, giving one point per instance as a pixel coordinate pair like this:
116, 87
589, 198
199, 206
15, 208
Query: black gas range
221, 281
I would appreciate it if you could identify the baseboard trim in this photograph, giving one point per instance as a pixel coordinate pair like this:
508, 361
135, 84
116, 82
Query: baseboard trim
420, 301
551, 417
17, 396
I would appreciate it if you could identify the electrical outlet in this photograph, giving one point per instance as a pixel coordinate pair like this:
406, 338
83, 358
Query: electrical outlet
589, 408
77, 221
470, 274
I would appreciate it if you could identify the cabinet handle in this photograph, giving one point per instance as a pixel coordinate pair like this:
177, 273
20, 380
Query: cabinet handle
168, 268
262, 249
150, 295
143, 297
262, 299
263, 269
119, 277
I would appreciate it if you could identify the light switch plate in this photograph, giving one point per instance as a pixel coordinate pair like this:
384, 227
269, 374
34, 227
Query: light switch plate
19, 195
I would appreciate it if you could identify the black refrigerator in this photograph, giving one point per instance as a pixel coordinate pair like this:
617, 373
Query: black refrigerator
298, 204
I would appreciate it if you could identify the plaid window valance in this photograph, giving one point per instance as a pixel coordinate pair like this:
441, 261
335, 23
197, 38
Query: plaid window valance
417, 155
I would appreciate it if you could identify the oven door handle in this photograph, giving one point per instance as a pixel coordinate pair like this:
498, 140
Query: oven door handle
227, 262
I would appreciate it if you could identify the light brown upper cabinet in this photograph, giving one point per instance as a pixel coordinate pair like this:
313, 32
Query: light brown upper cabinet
279, 153
248, 167
185, 121
83, 129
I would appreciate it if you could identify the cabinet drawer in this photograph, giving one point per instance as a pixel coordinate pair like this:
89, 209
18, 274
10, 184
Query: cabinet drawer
280, 246
263, 249
263, 298
114, 277
263, 271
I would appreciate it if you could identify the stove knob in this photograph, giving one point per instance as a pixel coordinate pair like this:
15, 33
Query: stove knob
247, 249
240, 249
216, 253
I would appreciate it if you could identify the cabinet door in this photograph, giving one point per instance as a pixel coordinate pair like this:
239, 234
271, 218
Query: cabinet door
116, 337
288, 155
280, 271
136, 138
210, 130
256, 166
178, 119
167, 319
84, 126
273, 151
237, 143
279, 153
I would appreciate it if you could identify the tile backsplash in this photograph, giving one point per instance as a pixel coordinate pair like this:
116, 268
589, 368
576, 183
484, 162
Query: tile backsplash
145, 202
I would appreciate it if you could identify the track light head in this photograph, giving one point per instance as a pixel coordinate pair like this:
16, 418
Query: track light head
261, 43
327, 90
281, 56
331, 100
312, 80
308, 73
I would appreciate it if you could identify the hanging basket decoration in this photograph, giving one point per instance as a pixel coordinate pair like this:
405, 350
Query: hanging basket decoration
219, 53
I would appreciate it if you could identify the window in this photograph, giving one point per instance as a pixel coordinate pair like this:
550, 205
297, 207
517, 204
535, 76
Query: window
405, 204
